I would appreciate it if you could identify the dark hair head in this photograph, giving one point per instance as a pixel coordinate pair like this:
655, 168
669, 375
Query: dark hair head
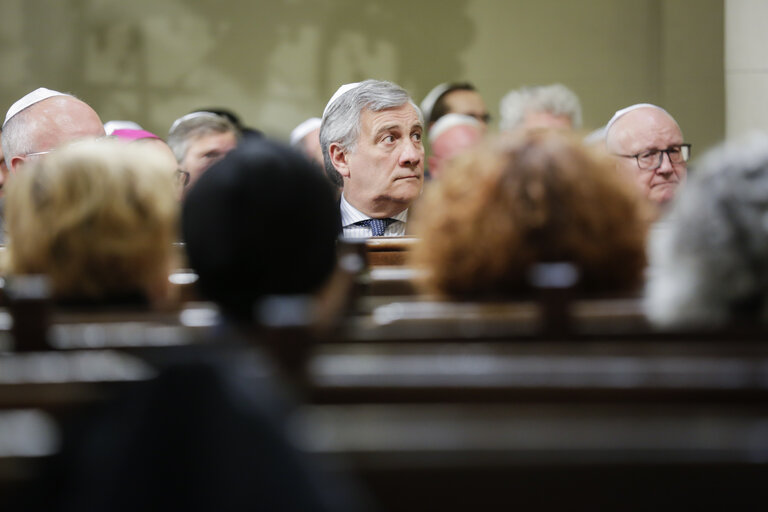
261, 221
232, 117
441, 106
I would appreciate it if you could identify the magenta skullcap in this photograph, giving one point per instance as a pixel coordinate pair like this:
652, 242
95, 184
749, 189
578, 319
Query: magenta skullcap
129, 134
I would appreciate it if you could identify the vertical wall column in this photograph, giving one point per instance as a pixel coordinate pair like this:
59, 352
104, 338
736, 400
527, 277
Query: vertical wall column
746, 66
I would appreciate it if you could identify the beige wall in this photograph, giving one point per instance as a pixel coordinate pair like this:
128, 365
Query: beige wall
277, 62
746, 66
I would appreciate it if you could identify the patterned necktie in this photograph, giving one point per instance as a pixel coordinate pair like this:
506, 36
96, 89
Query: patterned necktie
378, 226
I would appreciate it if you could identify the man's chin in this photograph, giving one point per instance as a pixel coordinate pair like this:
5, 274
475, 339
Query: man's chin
663, 194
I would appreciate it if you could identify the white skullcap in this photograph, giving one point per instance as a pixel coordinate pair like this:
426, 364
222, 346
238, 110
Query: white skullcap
449, 121
111, 126
341, 90
301, 131
193, 115
30, 99
620, 113
431, 98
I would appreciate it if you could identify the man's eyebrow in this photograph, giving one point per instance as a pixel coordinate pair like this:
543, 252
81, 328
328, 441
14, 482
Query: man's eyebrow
387, 128
655, 148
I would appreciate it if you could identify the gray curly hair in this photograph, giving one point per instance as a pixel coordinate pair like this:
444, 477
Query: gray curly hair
556, 99
709, 261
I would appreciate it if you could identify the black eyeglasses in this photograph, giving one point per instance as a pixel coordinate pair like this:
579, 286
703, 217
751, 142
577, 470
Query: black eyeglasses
652, 159
182, 177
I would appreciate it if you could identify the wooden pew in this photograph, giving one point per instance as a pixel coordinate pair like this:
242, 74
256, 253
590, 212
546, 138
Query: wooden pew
388, 251
648, 421
549, 401
545, 457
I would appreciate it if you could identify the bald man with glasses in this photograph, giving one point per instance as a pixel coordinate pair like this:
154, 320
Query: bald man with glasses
648, 146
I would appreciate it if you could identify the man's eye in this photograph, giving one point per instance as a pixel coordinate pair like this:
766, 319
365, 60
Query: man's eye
389, 139
674, 151
648, 154
416, 136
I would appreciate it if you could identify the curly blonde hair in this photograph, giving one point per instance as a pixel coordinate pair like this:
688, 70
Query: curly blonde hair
515, 202
97, 217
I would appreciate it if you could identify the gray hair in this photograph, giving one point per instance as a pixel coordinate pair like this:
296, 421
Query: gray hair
556, 99
18, 136
709, 264
341, 122
194, 125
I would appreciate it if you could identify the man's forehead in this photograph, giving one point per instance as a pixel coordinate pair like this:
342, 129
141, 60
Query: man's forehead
462, 97
404, 114
645, 128
213, 140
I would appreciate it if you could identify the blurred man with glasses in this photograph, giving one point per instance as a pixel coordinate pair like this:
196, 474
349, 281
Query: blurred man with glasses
648, 145
199, 140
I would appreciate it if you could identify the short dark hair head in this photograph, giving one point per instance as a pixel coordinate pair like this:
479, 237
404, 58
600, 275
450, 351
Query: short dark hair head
260, 222
441, 106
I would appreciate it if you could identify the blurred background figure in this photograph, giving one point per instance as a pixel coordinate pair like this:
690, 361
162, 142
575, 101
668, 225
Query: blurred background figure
542, 197
306, 138
145, 138
98, 218
545, 106
451, 135
3, 174
200, 139
709, 266
454, 98
239, 256
244, 131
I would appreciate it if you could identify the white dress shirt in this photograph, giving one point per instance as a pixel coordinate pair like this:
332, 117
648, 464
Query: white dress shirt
350, 215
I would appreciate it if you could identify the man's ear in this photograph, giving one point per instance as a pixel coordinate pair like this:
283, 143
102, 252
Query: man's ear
15, 163
339, 158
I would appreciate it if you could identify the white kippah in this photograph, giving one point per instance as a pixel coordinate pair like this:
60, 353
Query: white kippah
341, 90
111, 126
449, 121
428, 103
301, 131
627, 110
193, 115
30, 99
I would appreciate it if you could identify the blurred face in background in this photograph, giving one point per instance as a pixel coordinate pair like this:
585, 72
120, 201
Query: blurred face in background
468, 103
205, 151
3, 170
310, 144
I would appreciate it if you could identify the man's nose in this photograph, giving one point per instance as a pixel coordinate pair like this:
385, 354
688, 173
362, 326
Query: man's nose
666, 169
412, 154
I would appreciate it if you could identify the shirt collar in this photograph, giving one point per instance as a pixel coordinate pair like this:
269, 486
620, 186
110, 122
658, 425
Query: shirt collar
350, 214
